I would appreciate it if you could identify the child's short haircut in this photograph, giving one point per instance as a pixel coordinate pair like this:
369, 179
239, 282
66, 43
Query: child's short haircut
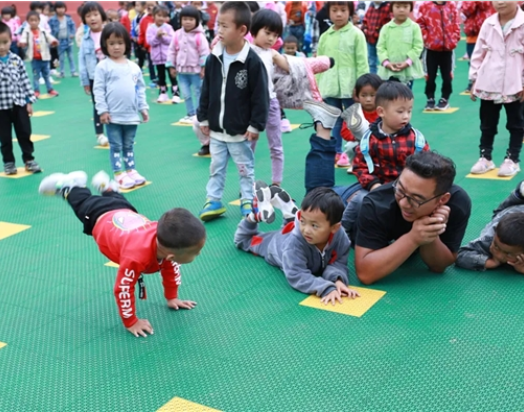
162, 10
60, 5
4, 28
190, 11
325, 200
510, 229
253, 6
92, 6
179, 229
409, 3
8, 10
266, 19
392, 90
291, 39
119, 31
432, 165
349, 4
241, 11
35, 5
368, 79
32, 14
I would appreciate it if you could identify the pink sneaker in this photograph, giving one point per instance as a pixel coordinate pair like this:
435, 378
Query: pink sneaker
508, 168
136, 177
163, 98
343, 161
285, 126
124, 181
482, 166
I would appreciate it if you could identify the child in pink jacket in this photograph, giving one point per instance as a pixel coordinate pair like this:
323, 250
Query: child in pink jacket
496, 71
187, 56
159, 36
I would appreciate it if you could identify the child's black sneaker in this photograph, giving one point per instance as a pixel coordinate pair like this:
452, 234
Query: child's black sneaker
442, 104
32, 167
10, 168
430, 104
204, 151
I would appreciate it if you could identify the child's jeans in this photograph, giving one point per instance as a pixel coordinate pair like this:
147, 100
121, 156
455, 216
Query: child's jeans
244, 159
121, 139
65, 49
18, 117
372, 58
341, 104
41, 68
188, 81
274, 137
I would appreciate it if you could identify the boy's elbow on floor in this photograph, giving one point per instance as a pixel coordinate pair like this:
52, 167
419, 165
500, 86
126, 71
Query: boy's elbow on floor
364, 278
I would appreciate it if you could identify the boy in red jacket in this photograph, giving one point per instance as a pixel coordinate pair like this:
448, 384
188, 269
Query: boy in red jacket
440, 25
131, 240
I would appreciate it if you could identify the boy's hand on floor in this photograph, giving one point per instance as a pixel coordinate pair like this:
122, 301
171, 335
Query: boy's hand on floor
345, 290
140, 328
332, 297
251, 136
492, 263
29, 108
518, 265
181, 304
87, 89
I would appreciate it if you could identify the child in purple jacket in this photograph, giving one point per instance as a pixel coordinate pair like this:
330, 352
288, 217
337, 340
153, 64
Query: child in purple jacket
159, 36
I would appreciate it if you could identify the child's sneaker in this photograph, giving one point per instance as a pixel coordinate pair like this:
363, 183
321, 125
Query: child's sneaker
285, 126
246, 207
186, 120
153, 85
204, 151
443, 104
321, 112
262, 209
41, 81
282, 200
508, 168
482, 166
10, 169
162, 98
53, 93
136, 177
355, 120
37, 95
101, 182
430, 104
124, 181
343, 161
102, 140
59, 183
212, 209
74, 74
32, 167
176, 99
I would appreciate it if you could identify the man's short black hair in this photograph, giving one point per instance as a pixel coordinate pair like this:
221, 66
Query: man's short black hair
349, 4
325, 200
179, 229
432, 165
291, 39
368, 79
162, 10
36, 5
190, 11
32, 13
241, 11
90, 6
392, 90
118, 30
8, 10
510, 229
60, 5
266, 19
4, 28
409, 3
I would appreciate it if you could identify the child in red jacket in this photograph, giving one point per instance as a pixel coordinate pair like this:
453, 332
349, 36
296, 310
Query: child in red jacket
138, 245
145, 21
440, 25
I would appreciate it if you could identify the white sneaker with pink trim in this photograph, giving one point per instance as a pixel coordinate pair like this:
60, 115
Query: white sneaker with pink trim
136, 177
482, 166
162, 98
508, 168
124, 181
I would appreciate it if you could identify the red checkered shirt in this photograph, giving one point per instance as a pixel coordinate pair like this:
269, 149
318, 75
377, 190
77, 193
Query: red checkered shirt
374, 19
388, 153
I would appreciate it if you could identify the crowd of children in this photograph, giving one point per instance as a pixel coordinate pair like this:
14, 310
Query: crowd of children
238, 65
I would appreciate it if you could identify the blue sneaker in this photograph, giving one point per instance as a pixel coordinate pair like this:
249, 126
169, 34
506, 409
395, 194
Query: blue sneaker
212, 209
246, 208
153, 85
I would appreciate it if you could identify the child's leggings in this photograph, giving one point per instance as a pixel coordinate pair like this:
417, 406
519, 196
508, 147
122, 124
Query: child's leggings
99, 128
88, 208
161, 73
274, 137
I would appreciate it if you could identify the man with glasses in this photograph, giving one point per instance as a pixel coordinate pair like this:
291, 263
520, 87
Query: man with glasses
422, 210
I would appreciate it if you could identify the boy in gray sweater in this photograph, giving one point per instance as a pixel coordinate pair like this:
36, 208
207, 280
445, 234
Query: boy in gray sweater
501, 241
311, 248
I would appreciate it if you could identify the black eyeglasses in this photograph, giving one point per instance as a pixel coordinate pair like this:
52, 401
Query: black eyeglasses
400, 194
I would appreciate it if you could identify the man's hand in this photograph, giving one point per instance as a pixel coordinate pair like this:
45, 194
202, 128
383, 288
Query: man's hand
145, 116
205, 130
251, 136
202, 72
426, 229
29, 108
105, 118
181, 304
392, 67
332, 297
172, 71
87, 89
141, 327
443, 213
518, 265
346, 291
492, 263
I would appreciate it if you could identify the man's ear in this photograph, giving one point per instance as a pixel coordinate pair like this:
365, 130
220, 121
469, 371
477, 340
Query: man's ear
335, 227
445, 199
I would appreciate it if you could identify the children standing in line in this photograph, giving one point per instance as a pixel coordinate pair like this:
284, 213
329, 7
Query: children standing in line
15, 107
233, 107
63, 28
38, 42
94, 16
159, 36
8, 14
187, 57
440, 25
377, 15
496, 73
120, 94
140, 51
145, 22
347, 45
400, 45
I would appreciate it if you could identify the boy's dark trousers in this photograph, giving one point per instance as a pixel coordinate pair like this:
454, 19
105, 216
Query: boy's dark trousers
18, 117
99, 127
434, 61
88, 208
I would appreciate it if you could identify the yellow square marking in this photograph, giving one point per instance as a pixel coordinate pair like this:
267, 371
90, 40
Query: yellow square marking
37, 137
197, 155
448, 111
2, 345
21, 173
235, 202
181, 124
462, 59
102, 147
112, 265
135, 188
463, 38
168, 102
295, 126
10, 229
181, 405
45, 96
492, 175
352, 307
41, 113
465, 94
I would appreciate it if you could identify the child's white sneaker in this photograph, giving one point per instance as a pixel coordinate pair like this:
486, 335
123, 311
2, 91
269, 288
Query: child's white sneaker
482, 166
186, 120
162, 98
508, 168
285, 126
58, 183
321, 112
102, 140
355, 120
101, 182
136, 177
124, 181
176, 99
262, 210
41, 80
